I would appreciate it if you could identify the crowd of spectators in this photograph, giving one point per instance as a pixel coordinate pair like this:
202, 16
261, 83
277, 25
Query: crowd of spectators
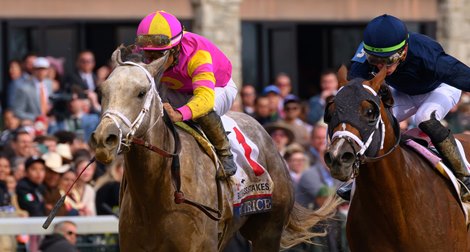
49, 116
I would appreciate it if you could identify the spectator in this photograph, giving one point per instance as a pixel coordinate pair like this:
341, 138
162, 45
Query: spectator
79, 121
46, 143
107, 188
21, 146
26, 75
30, 190
248, 97
274, 96
318, 175
56, 72
5, 171
292, 110
281, 134
63, 238
10, 124
283, 82
83, 191
54, 169
83, 78
329, 86
31, 96
263, 111
72, 201
297, 162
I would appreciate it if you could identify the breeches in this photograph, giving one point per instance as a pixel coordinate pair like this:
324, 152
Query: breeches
441, 100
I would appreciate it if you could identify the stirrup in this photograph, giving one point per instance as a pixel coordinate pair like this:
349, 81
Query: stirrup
344, 191
228, 168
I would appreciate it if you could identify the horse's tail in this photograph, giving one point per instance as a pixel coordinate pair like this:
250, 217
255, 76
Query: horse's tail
301, 221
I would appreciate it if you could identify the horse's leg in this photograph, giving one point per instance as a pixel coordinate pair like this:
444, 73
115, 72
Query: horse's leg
264, 231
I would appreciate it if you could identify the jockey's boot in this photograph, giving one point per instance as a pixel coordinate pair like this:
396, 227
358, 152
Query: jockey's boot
344, 190
445, 143
212, 126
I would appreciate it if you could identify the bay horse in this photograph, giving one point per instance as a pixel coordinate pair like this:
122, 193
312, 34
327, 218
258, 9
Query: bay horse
149, 218
400, 202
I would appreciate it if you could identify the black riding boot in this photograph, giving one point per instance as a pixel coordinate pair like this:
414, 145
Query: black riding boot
445, 143
212, 126
344, 190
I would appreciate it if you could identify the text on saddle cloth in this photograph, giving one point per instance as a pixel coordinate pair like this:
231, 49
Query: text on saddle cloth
253, 186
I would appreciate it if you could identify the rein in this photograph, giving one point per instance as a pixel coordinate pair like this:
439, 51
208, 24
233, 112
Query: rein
175, 163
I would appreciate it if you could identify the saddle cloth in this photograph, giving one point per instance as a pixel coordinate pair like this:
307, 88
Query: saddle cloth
437, 162
251, 185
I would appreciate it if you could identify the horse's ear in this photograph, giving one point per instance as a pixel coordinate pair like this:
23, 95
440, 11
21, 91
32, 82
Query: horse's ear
342, 76
377, 81
116, 57
156, 67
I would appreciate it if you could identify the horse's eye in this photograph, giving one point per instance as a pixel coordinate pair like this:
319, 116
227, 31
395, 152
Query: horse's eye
370, 112
141, 94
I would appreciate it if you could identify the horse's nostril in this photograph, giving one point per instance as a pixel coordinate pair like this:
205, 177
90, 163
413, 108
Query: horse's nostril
347, 157
328, 159
92, 142
111, 140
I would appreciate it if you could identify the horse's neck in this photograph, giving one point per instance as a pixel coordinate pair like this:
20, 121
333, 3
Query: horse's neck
148, 173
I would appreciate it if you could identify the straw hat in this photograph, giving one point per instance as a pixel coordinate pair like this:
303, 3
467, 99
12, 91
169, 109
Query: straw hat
64, 151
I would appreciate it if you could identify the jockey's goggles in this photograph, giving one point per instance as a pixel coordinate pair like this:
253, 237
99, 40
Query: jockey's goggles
388, 61
157, 41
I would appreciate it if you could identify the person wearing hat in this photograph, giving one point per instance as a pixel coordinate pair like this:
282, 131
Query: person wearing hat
198, 74
292, 112
30, 190
54, 170
282, 135
31, 96
273, 93
426, 82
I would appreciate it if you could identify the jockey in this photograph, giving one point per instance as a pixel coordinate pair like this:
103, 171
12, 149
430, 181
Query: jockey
197, 74
426, 82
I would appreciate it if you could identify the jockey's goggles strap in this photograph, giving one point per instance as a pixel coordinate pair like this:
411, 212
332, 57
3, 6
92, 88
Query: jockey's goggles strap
386, 49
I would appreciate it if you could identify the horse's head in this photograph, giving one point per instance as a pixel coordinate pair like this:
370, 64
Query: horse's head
357, 118
130, 104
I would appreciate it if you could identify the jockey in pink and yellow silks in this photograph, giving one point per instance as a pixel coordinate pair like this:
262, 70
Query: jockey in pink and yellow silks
198, 74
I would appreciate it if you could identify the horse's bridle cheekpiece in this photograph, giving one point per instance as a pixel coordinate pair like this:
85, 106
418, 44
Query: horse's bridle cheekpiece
347, 101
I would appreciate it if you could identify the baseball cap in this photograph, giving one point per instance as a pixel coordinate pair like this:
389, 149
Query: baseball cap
32, 160
291, 98
41, 62
271, 89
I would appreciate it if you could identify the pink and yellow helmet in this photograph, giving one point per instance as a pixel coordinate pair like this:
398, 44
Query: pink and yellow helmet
159, 31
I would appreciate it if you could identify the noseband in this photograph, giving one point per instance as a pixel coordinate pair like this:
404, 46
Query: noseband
367, 130
115, 115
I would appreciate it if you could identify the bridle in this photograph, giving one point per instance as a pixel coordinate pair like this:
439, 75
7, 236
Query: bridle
115, 115
364, 146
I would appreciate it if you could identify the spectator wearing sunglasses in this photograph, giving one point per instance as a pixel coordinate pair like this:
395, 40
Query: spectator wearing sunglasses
426, 82
63, 238
292, 112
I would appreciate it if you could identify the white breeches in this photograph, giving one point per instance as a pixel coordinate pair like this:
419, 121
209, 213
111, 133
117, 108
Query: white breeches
441, 100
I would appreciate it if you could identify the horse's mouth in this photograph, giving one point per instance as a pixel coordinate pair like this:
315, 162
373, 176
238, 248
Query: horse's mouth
104, 156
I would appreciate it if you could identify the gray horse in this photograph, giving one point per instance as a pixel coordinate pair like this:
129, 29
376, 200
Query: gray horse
149, 219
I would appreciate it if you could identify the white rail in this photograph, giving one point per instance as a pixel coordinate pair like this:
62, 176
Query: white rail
33, 225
